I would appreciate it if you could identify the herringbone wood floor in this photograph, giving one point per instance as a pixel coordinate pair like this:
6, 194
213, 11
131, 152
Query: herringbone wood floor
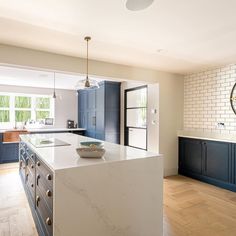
191, 208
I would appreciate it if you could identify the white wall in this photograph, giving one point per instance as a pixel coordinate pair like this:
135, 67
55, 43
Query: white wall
65, 103
170, 87
207, 101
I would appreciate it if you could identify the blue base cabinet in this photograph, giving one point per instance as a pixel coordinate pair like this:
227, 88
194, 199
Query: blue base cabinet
99, 111
210, 161
9, 152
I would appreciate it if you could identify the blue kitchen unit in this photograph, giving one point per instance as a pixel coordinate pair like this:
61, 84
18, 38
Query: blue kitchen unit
213, 162
99, 111
8, 151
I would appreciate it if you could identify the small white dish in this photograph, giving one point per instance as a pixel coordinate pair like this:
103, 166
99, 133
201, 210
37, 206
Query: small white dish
90, 152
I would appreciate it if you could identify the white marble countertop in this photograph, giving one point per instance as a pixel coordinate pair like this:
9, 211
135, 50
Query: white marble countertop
62, 157
39, 130
207, 136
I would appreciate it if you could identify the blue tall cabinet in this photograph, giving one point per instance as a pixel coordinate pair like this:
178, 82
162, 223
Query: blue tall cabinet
99, 111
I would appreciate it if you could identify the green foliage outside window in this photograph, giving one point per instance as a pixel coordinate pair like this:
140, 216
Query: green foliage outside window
42, 115
4, 116
22, 116
4, 101
22, 102
42, 103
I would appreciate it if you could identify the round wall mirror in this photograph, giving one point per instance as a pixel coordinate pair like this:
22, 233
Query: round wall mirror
233, 98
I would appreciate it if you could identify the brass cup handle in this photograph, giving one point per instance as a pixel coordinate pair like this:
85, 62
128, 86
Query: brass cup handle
48, 193
32, 156
49, 177
38, 163
32, 166
37, 200
48, 221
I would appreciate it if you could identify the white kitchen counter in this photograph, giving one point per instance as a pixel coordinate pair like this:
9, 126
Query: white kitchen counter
62, 157
41, 130
120, 194
207, 136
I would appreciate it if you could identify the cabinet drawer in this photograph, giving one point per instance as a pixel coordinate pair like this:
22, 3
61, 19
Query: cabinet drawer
30, 184
45, 173
22, 168
45, 190
29, 153
44, 214
31, 165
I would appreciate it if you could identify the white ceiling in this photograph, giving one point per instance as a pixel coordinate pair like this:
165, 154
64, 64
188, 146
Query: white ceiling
41, 79
193, 34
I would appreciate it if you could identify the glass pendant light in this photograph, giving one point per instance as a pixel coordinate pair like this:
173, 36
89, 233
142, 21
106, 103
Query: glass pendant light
54, 87
87, 83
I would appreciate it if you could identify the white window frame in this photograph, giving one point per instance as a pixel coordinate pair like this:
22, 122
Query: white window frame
33, 108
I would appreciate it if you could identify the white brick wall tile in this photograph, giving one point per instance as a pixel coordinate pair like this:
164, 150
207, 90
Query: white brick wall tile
206, 100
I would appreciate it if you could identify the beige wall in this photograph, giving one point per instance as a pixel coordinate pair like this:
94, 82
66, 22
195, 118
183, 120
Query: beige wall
66, 99
171, 89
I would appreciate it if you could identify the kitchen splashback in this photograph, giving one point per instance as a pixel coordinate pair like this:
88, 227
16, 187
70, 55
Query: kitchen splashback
207, 101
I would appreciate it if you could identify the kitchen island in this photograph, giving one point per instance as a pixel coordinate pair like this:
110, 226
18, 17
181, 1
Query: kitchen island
117, 195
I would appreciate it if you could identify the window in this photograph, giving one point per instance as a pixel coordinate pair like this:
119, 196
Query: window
24, 107
4, 108
42, 108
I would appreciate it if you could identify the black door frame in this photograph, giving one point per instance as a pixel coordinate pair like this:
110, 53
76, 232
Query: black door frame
126, 129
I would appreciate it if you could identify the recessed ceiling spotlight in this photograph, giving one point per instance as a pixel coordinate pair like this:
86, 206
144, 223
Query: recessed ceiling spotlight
160, 50
138, 5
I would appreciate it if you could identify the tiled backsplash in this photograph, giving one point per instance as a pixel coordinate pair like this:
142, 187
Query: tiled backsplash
207, 101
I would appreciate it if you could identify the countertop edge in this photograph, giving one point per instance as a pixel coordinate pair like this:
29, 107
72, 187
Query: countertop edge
207, 138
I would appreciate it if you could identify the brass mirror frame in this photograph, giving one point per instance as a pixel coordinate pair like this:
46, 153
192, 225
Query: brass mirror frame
233, 99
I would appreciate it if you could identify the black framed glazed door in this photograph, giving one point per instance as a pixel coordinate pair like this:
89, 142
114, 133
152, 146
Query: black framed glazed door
136, 117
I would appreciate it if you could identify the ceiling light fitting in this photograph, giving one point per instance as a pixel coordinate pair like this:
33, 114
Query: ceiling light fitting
138, 5
54, 87
87, 83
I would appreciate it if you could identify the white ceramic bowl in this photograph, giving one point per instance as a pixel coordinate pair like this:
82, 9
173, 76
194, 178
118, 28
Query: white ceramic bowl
90, 152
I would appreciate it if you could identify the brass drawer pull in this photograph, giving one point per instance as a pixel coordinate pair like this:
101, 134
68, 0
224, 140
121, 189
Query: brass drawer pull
32, 166
37, 200
32, 156
49, 177
48, 193
32, 185
37, 179
48, 221
38, 163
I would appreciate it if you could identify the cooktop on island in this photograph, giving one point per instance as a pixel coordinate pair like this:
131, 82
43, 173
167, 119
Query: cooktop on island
47, 142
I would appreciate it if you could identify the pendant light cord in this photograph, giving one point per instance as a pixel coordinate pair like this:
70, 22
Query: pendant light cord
54, 83
87, 59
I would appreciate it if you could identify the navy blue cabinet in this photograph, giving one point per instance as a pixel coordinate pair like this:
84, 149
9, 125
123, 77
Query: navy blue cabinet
9, 152
99, 111
216, 160
210, 161
191, 156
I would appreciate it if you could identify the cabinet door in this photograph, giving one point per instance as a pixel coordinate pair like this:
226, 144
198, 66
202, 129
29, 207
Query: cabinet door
82, 119
1, 151
192, 156
217, 159
10, 152
82, 100
91, 99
